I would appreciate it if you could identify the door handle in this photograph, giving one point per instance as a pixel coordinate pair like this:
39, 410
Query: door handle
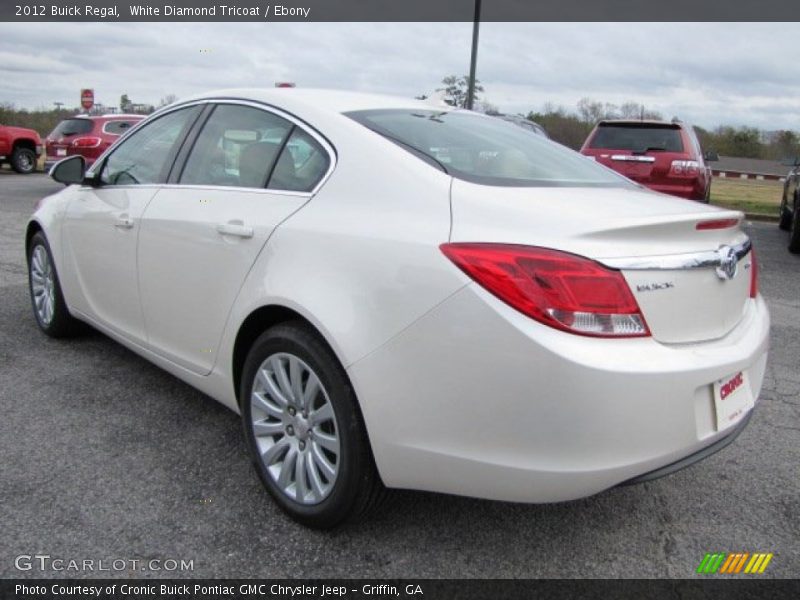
124, 222
237, 228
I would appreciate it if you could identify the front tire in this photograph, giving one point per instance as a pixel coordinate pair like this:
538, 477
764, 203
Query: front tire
47, 300
23, 160
304, 429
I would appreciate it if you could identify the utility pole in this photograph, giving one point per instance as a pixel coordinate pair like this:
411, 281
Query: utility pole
474, 58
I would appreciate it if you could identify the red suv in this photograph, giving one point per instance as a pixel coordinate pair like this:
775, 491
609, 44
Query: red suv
661, 155
87, 136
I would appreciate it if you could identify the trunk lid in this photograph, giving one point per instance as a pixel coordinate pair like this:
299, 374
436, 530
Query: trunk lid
670, 265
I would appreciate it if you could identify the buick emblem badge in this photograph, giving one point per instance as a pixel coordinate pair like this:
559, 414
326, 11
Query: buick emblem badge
727, 263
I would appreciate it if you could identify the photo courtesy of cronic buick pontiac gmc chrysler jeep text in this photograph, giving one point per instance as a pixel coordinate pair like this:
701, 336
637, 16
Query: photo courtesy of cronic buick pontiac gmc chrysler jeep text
395, 294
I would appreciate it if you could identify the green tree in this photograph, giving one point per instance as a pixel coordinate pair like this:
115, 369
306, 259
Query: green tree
455, 90
744, 142
785, 145
563, 127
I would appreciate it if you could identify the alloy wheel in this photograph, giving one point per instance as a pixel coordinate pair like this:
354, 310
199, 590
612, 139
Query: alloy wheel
42, 285
294, 427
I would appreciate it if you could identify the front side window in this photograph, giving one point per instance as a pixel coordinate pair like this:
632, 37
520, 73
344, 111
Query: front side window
142, 158
238, 146
486, 150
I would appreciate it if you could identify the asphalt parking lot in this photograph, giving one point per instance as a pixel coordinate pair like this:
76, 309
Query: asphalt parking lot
104, 456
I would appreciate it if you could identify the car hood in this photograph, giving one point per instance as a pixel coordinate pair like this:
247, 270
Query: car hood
21, 132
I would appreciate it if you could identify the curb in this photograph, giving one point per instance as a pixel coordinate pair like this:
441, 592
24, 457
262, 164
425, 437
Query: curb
760, 217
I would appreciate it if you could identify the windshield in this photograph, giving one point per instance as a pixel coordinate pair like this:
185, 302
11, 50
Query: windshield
69, 127
486, 150
638, 137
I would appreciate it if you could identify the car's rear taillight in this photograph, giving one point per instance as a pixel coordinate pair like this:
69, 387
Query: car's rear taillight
561, 290
684, 168
753, 274
86, 142
716, 224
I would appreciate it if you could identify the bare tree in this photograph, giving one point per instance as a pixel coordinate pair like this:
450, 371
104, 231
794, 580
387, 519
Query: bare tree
168, 99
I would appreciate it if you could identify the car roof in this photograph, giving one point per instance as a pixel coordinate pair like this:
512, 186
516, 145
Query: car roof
111, 116
333, 101
642, 122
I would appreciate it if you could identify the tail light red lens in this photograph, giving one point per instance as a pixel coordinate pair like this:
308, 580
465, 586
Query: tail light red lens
87, 142
561, 290
753, 274
716, 224
684, 168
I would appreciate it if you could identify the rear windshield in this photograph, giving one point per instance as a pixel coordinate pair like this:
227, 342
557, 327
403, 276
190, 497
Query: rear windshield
638, 137
117, 127
69, 127
486, 150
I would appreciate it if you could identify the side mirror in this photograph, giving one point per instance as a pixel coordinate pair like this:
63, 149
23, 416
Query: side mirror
711, 156
69, 171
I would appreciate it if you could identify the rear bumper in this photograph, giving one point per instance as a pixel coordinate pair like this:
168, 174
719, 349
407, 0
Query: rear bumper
478, 400
679, 465
690, 191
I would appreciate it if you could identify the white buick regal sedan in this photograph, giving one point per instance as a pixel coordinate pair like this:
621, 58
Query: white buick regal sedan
401, 295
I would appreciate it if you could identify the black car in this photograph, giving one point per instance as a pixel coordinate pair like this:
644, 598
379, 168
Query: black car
531, 126
790, 208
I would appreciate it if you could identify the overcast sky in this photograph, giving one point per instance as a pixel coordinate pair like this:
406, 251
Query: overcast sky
705, 73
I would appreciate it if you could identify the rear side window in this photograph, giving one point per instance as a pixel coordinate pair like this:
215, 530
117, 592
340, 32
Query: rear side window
117, 127
695, 141
638, 137
302, 163
238, 147
70, 127
142, 158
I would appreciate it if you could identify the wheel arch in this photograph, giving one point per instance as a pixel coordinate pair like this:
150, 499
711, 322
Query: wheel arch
32, 229
256, 323
28, 143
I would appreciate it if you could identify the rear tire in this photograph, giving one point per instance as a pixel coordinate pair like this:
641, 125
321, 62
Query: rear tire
785, 219
304, 429
794, 232
23, 160
49, 307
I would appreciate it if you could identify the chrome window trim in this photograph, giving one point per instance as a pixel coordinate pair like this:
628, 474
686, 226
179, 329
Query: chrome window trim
675, 262
326, 145
633, 158
235, 188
